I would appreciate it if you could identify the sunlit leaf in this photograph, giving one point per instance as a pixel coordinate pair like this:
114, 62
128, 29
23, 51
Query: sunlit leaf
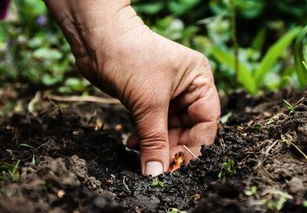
44, 53
244, 76
300, 60
273, 54
150, 8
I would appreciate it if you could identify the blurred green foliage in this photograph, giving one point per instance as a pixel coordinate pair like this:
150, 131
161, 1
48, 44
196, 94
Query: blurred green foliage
33, 51
300, 57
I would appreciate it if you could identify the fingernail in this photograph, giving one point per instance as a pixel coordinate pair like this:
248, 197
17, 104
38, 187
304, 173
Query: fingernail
153, 168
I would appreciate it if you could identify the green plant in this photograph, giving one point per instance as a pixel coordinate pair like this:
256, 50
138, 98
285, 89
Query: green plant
26, 145
289, 142
300, 59
225, 118
252, 75
289, 106
13, 170
39, 56
33, 50
126, 185
174, 210
251, 191
33, 161
156, 182
276, 199
257, 127
277, 204
227, 169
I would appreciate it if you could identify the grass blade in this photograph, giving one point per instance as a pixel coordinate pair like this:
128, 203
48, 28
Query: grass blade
244, 76
300, 60
258, 41
273, 54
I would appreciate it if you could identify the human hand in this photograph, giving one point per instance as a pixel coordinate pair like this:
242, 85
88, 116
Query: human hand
168, 88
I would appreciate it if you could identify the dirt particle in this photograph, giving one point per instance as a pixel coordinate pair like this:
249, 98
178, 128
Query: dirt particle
296, 185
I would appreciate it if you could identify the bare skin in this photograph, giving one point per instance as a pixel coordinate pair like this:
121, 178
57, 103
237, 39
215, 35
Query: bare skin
168, 88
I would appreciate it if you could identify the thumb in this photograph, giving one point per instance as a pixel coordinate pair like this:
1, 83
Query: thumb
154, 147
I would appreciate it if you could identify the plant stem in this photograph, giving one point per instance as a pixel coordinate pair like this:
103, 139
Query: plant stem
234, 36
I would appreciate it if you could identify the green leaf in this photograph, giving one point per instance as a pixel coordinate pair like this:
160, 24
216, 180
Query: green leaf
50, 80
45, 53
225, 118
3, 33
150, 8
289, 106
251, 191
26, 145
300, 60
76, 84
259, 40
179, 7
273, 54
174, 210
156, 182
244, 76
249, 8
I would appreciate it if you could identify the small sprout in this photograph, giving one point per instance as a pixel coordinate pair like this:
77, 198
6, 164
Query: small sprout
276, 205
226, 117
33, 162
226, 170
13, 170
257, 128
276, 200
156, 182
195, 197
26, 145
251, 191
174, 210
126, 185
290, 143
61, 193
176, 162
14, 173
10, 152
289, 106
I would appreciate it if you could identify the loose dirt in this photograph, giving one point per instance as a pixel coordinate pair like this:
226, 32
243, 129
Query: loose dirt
71, 158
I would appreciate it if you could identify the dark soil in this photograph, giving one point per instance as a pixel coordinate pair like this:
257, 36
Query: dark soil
72, 159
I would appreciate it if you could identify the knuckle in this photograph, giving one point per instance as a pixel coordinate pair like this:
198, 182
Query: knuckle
202, 63
201, 59
154, 143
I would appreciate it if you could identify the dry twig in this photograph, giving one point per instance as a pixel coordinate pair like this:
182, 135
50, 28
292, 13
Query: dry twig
94, 99
189, 150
